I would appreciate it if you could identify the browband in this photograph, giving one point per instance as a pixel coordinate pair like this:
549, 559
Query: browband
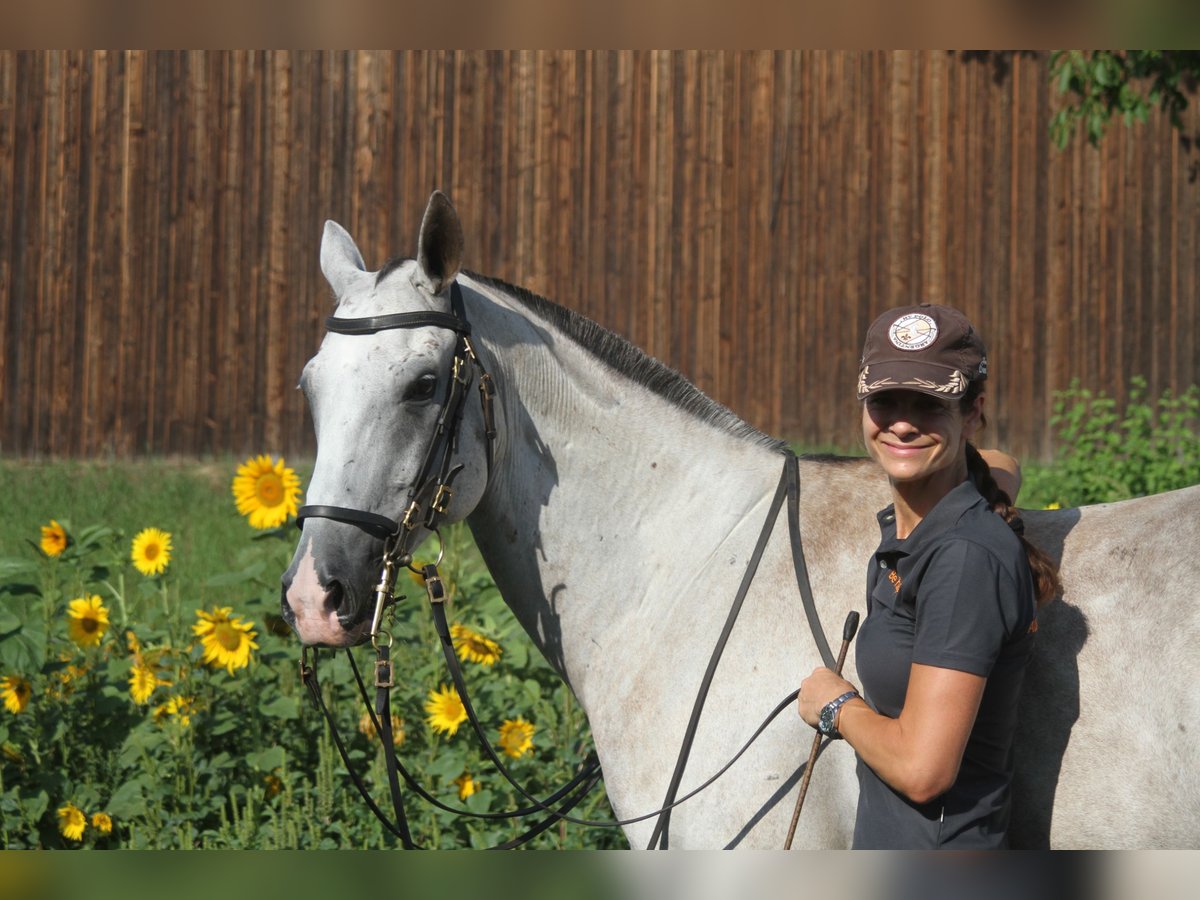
372, 324
429, 318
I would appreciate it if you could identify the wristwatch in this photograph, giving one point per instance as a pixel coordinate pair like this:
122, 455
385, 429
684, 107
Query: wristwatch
827, 719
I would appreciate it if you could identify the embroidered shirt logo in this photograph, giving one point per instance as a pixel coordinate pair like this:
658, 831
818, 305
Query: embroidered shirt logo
894, 578
913, 331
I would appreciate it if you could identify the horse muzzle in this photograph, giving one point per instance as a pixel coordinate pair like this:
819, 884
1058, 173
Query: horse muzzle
322, 612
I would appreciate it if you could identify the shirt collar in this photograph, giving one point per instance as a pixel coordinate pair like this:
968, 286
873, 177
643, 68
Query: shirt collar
944, 516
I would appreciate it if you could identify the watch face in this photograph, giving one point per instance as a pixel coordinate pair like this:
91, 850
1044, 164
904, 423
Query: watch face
825, 721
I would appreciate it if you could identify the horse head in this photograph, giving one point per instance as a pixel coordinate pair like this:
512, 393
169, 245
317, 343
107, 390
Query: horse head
383, 379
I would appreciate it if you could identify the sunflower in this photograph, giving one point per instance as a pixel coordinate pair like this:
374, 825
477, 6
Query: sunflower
272, 784
102, 822
143, 679
54, 538
16, 692
446, 710
473, 646
71, 822
266, 491
366, 727
516, 737
227, 639
179, 708
151, 551
87, 620
466, 785
67, 677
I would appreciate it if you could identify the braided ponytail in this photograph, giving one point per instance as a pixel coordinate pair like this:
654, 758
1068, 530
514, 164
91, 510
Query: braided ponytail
1046, 582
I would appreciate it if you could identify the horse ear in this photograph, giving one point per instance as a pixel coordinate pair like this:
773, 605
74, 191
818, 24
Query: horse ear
440, 246
340, 260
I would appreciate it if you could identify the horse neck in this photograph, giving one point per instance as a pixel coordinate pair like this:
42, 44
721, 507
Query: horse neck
602, 492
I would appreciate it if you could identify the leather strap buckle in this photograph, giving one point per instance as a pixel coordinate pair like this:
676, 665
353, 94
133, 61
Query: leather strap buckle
384, 674
441, 499
433, 584
409, 521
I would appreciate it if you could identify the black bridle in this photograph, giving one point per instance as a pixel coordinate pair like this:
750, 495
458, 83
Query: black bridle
427, 501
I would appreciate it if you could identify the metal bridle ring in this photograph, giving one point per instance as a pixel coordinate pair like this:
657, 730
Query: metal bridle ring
375, 642
440, 555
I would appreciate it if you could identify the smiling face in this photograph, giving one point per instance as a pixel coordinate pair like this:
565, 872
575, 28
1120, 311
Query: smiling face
920, 440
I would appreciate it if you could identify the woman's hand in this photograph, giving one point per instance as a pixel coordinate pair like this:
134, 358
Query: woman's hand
821, 687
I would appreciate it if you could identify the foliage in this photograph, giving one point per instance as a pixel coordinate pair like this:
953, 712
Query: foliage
235, 756
1106, 451
1101, 84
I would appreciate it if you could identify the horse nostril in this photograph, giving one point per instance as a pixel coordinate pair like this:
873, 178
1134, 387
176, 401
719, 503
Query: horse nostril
285, 608
335, 596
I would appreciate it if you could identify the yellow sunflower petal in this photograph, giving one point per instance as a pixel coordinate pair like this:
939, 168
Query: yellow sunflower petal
16, 692
142, 681
466, 785
226, 639
71, 822
266, 491
87, 620
473, 646
446, 710
151, 551
54, 538
516, 737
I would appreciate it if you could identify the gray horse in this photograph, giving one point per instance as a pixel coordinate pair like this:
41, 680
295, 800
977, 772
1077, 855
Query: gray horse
617, 517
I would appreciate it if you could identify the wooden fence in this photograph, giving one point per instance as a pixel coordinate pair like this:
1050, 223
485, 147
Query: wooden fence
742, 216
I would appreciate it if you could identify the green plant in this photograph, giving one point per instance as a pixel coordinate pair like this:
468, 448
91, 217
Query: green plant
228, 754
1101, 84
1106, 451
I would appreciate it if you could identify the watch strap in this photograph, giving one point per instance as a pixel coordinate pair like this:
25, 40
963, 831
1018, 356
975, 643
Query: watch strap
829, 712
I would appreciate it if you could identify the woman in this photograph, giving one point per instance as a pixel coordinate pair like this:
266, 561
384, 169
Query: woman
952, 595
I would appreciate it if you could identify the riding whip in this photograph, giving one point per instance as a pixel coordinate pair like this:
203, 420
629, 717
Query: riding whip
848, 631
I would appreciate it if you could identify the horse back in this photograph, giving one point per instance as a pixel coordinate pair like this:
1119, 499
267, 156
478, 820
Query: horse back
1106, 754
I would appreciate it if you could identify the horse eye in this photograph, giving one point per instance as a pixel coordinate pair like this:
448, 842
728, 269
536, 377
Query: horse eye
422, 388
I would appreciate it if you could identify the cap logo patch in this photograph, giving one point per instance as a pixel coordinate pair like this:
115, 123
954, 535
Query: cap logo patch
913, 331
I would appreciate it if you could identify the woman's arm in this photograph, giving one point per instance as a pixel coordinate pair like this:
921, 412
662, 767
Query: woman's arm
1006, 471
920, 752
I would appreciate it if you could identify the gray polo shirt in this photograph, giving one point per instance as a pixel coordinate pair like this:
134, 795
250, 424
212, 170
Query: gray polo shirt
957, 593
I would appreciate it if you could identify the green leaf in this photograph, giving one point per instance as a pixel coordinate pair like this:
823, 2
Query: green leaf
8, 622
12, 567
229, 579
24, 650
1065, 71
280, 708
142, 742
268, 760
129, 801
448, 765
35, 805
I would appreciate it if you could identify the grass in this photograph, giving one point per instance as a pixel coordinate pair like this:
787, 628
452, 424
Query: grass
190, 499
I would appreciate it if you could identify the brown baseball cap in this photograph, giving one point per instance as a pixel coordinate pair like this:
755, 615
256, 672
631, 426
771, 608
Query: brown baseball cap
928, 348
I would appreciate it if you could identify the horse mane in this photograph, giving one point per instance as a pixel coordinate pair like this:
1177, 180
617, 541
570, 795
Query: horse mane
636, 365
